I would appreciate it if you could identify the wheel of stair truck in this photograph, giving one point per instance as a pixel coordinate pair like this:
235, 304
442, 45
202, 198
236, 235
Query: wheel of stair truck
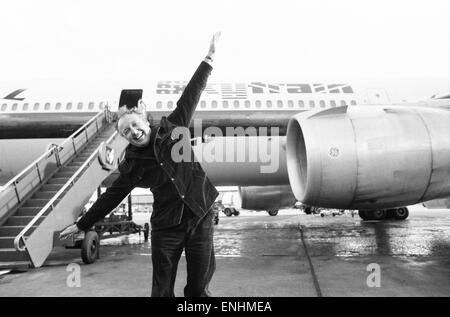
90, 247
235, 212
272, 212
146, 231
228, 212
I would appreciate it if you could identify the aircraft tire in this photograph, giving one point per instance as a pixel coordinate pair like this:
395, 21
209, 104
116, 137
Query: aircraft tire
272, 212
400, 213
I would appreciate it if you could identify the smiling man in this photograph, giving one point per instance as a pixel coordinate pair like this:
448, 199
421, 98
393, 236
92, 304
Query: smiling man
182, 217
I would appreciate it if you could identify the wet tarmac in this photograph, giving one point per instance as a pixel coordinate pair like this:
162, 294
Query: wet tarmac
291, 254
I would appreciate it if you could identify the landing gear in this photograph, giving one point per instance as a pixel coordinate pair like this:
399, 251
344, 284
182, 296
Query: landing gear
272, 212
381, 214
398, 213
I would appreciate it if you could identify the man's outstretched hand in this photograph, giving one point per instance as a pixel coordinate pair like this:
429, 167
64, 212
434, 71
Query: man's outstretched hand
213, 44
68, 231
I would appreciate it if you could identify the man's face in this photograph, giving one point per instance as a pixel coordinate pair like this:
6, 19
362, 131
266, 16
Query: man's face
135, 129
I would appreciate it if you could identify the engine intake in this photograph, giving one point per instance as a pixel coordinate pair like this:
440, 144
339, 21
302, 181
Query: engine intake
369, 157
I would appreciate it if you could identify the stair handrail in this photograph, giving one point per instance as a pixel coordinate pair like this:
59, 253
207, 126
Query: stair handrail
54, 148
69, 182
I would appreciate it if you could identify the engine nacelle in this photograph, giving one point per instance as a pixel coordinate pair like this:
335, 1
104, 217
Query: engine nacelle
266, 197
369, 157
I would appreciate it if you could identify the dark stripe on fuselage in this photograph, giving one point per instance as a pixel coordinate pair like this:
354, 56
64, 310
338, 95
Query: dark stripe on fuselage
62, 125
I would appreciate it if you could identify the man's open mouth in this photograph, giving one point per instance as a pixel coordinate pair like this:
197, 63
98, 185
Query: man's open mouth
139, 136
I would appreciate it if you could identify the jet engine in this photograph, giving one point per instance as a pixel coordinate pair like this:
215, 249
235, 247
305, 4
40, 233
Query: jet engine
369, 157
270, 198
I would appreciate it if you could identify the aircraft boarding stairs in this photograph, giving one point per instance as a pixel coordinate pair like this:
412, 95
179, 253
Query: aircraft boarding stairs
50, 193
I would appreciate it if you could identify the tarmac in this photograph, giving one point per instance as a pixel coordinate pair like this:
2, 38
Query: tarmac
289, 255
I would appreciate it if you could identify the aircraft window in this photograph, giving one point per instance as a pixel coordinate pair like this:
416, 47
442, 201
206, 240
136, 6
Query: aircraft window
247, 104
269, 104
170, 104
343, 103
214, 104
91, 105
159, 105
36, 106
47, 106
258, 103
80, 106
322, 103
58, 106
69, 106
25, 106
236, 103
312, 104
301, 103
280, 104
202, 104
225, 104
290, 103
14, 107
4, 107
332, 103
353, 102
101, 105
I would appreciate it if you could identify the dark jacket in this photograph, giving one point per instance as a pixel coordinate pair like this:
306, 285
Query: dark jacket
173, 184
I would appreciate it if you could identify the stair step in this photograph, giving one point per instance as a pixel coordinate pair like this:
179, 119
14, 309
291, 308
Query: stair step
15, 265
22, 220
38, 202
7, 242
45, 194
67, 168
8, 231
10, 254
72, 164
58, 180
27, 211
64, 174
51, 187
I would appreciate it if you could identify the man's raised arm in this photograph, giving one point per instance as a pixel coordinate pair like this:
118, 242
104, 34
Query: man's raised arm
188, 101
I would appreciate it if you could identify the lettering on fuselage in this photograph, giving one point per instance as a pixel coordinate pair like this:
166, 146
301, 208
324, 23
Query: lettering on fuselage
243, 91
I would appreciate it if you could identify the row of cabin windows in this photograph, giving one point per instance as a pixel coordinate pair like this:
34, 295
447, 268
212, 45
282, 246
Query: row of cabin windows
47, 106
268, 104
170, 104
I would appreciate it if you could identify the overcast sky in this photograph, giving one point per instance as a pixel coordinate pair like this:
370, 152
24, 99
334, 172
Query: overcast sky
276, 40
